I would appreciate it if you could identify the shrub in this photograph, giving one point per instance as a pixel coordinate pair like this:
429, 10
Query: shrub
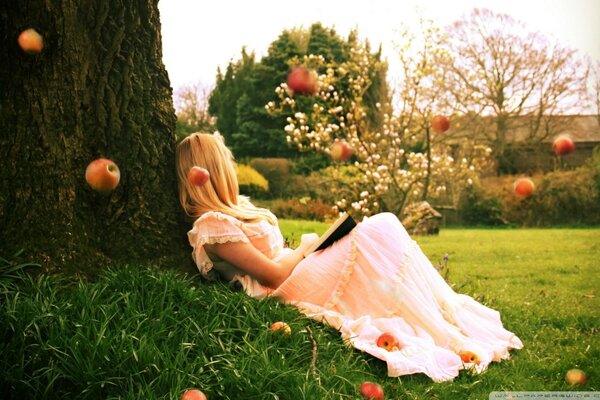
478, 208
251, 182
302, 208
560, 198
277, 171
564, 198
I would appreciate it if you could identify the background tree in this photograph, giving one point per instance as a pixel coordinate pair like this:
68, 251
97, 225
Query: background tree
238, 101
514, 78
98, 89
596, 89
389, 170
191, 107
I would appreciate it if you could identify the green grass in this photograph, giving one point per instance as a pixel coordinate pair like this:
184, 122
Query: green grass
141, 333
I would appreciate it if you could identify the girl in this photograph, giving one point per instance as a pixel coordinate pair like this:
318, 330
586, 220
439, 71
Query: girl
373, 281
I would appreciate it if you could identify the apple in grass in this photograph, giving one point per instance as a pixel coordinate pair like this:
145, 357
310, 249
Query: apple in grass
198, 176
302, 80
440, 123
575, 377
281, 326
102, 175
468, 357
31, 41
563, 145
523, 187
193, 394
340, 150
388, 341
371, 390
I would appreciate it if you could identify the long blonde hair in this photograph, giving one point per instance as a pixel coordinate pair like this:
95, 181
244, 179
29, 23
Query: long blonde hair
221, 192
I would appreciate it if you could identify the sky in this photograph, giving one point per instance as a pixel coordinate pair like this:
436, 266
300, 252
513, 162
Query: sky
200, 36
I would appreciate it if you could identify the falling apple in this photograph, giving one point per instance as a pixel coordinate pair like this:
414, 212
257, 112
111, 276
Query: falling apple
198, 176
193, 394
303, 81
340, 150
440, 123
281, 326
388, 341
575, 377
102, 175
468, 357
31, 42
524, 187
371, 391
563, 145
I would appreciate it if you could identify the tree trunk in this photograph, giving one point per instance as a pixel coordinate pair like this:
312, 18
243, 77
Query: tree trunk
98, 89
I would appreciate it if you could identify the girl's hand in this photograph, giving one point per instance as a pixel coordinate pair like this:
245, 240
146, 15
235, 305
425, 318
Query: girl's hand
307, 239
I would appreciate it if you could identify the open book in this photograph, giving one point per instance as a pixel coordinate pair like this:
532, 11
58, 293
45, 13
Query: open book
340, 228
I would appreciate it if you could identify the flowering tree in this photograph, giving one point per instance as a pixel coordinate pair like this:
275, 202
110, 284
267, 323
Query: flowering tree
399, 163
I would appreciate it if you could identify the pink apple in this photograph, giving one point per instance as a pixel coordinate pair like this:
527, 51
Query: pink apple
440, 123
31, 42
340, 150
102, 175
303, 81
198, 176
371, 391
524, 187
193, 394
563, 145
388, 341
575, 377
281, 326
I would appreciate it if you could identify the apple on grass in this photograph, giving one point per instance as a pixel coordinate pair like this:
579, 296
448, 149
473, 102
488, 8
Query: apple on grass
523, 187
440, 123
388, 341
198, 176
340, 150
468, 357
193, 394
102, 175
31, 41
563, 145
371, 390
281, 326
575, 377
302, 80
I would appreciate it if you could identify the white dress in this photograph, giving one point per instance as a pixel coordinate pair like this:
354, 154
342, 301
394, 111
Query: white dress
374, 280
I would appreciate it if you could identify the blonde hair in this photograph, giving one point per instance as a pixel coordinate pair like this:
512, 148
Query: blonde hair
221, 192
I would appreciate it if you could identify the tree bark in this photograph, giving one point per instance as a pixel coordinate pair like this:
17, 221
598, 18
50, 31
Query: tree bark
98, 89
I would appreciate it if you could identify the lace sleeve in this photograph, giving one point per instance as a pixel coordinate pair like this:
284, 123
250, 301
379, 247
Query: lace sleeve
210, 228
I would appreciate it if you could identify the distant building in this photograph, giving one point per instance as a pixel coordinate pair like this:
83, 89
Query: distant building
535, 155
583, 129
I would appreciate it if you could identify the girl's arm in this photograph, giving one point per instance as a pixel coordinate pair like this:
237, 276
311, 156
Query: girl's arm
266, 271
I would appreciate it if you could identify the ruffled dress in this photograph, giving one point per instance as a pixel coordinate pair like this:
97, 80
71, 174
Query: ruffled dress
374, 280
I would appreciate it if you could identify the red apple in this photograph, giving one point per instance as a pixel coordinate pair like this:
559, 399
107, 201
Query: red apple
469, 357
31, 42
371, 390
102, 175
563, 145
340, 150
388, 341
198, 176
524, 187
281, 326
440, 123
303, 81
575, 377
193, 394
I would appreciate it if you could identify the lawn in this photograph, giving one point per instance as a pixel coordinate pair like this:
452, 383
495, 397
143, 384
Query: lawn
141, 333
